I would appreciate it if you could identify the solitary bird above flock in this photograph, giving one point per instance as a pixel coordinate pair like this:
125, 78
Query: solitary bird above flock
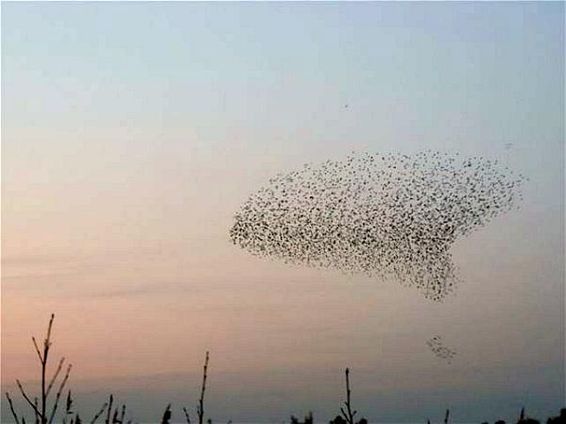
392, 216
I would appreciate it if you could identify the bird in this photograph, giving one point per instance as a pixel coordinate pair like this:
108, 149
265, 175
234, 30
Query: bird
439, 350
391, 216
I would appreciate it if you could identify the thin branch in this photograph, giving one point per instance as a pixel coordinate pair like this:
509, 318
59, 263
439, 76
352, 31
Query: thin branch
99, 413
123, 414
187, 415
35, 402
109, 409
61, 361
200, 409
22, 391
348, 414
12, 408
37, 349
49, 327
68, 406
46, 346
166, 415
58, 396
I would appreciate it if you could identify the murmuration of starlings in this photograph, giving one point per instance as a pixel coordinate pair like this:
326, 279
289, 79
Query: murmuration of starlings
393, 216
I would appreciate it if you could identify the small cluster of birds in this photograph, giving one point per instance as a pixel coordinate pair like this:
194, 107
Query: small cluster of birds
393, 216
439, 350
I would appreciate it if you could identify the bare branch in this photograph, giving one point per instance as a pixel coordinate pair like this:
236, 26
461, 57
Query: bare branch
12, 408
187, 415
200, 408
24, 394
35, 402
122, 414
58, 396
99, 413
46, 346
37, 349
61, 361
111, 400
68, 406
348, 414
49, 327
166, 415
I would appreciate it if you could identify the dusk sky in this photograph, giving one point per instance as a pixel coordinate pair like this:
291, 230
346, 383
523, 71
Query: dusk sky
132, 133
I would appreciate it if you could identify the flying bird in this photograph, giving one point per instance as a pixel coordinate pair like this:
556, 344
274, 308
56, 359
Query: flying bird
437, 347
392, 216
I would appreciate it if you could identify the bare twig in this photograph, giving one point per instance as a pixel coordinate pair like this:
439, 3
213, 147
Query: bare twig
61, 361
166, 415
58, 395
110, 401
12, 408
446, 416
348, 413
26, 397
119, 420
187, 415
200, 408
122, 414
68, 406
35, 402
99, 413
46, 346
37, 349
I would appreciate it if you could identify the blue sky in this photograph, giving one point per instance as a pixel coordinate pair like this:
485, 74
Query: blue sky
133, 131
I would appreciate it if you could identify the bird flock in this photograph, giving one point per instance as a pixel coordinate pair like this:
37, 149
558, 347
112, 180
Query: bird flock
437, 347
391, 216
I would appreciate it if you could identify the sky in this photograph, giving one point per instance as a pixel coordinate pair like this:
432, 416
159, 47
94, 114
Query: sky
132, 132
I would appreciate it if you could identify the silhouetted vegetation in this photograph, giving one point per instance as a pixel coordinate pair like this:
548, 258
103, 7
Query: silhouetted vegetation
308, 419
200, 406
347, 413
45, 407
561, 419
